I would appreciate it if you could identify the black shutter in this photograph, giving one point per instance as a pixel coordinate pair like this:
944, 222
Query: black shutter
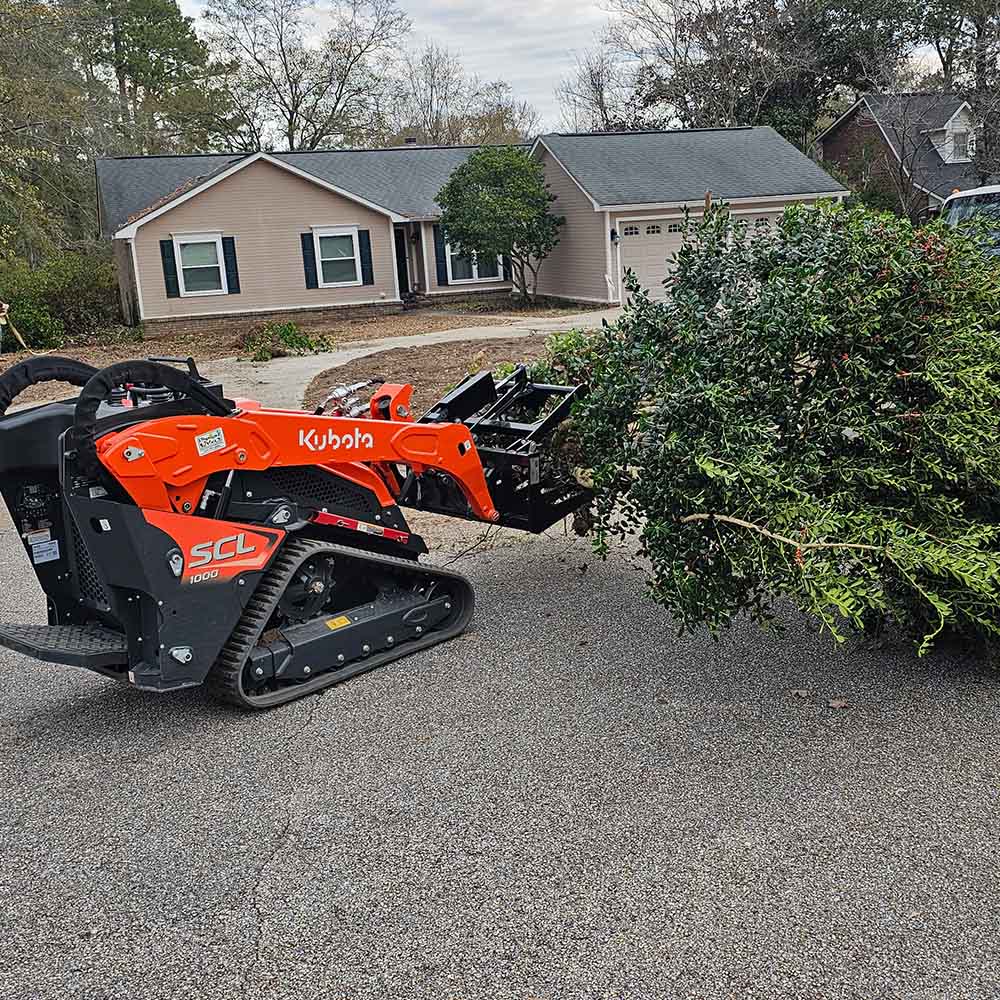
506, 268
169, 269
232, 271
309, 260
442, 264
365, 249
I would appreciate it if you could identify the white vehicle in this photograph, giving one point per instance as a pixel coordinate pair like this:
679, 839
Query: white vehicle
981, 201
976, 201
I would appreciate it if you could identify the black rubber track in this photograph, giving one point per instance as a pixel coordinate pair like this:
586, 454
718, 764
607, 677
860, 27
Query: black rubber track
225, 679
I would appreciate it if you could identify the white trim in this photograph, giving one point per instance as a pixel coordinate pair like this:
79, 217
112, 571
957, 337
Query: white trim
674, 216
317, 233
279, 310
135, 277
423, 250
582, 298
186, 239
782, 198
129, 231
970, 139
958, 110
621, 273
445, 290
475, 267
395, 263
608, 265
568, 173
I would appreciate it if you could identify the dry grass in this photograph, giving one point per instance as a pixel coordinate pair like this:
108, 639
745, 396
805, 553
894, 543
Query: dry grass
431, 370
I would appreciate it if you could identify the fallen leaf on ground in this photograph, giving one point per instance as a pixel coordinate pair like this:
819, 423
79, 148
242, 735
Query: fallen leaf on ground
799, 693
838, 703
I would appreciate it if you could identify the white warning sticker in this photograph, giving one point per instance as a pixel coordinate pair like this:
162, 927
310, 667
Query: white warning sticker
35, 537
45, 552
213, 440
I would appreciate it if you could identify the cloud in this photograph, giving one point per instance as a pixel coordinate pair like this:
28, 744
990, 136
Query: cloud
528, 43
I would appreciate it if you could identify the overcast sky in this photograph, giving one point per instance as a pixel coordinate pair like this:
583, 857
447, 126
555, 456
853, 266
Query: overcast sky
529, 43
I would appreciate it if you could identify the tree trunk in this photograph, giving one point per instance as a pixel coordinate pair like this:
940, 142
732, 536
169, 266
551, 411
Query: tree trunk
121, 77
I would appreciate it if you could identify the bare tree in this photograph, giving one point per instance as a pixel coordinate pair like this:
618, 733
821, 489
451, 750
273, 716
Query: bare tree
600, 94
708, 62
302, 94
439, 103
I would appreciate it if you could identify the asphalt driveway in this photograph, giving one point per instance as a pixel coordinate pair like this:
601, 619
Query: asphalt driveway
567, 802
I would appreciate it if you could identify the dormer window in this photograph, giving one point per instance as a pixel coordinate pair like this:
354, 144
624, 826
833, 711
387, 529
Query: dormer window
960, 145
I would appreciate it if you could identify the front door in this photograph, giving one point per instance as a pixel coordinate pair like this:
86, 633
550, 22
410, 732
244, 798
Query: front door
401, 261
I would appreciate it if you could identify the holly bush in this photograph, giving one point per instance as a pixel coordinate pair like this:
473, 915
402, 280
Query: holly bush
811, 415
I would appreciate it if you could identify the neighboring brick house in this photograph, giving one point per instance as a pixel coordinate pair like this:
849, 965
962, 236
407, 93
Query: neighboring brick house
214, 241
913, 149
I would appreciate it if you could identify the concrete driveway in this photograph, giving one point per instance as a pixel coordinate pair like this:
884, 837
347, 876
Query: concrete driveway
568, 802
282, 381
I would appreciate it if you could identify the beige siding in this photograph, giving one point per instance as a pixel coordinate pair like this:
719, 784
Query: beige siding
265, 209
576, 267
455, 287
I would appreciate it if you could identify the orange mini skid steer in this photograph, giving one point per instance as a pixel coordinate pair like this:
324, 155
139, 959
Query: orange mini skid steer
183, 538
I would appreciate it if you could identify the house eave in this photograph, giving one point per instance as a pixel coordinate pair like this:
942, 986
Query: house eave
694, 202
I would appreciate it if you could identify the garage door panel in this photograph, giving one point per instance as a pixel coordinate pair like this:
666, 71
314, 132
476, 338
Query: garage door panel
647, 249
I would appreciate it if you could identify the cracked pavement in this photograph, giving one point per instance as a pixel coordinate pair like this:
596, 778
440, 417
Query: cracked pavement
568, 801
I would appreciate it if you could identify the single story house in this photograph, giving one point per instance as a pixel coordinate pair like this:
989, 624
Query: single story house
915, 144
206, 241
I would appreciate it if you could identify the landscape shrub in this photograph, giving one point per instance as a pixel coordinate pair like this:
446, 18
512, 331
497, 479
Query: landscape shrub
811, 415
280, 340
70, 295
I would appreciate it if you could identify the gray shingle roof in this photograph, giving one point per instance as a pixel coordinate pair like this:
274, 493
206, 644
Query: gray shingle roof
404, 180
905, 120
127, 185
616, 168
632, 168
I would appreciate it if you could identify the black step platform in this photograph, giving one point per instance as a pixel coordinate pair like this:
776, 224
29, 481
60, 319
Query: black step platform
90, 646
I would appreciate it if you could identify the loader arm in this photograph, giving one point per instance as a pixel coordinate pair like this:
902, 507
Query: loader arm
165, 464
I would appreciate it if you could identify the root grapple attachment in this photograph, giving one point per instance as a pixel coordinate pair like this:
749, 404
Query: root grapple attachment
183, 538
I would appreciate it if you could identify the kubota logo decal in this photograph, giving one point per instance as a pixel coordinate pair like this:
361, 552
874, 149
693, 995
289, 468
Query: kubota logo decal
330, 440
220, 550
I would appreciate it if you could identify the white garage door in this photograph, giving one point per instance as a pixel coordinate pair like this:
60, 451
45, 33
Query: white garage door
648, 249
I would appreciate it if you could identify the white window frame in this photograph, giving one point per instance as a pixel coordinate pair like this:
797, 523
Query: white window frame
965, 157
475, 279
182, 239
351, 231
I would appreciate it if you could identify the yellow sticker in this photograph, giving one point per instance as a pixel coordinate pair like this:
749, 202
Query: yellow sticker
335, 623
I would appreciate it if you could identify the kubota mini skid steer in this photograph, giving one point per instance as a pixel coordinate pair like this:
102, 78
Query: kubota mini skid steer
182, 537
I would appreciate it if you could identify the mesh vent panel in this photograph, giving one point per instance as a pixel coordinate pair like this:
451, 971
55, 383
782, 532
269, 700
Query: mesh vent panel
314, 487
88, 580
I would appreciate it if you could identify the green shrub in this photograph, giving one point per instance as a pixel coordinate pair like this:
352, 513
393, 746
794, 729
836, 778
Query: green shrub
69, 295
280, 340
811, 415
